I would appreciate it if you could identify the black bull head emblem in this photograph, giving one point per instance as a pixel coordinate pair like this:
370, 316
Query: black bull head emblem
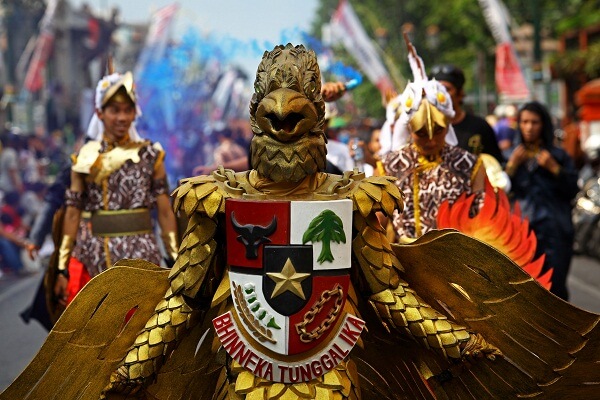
252, 236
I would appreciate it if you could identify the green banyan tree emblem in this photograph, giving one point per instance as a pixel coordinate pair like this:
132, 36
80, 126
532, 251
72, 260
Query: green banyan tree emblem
326, 227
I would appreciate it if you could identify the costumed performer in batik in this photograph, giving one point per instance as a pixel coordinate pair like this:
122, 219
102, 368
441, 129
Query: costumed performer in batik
116, 180
429, 169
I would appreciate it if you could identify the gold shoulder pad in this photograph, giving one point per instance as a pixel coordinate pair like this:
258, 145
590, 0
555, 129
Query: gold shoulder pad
161, 155
88, 156
376, 193
202, 194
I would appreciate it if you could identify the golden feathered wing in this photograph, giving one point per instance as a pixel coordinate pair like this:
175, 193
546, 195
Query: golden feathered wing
551, 348
93, 334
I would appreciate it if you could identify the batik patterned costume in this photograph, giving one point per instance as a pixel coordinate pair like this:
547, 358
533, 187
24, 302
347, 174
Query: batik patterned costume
426, 184
119, 189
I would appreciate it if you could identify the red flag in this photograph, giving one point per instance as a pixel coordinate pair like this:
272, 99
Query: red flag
510, 81
34, 79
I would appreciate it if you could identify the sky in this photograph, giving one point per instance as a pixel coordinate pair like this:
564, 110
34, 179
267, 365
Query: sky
263, 20
259, 19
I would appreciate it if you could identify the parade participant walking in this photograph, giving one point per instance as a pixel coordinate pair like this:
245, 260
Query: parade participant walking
474, 133
544, 181
429, 170
116, 179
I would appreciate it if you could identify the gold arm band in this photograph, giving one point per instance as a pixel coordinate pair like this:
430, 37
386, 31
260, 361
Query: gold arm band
64, 252
171, 243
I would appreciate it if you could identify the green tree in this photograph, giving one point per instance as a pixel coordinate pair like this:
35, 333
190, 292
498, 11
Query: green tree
325, 227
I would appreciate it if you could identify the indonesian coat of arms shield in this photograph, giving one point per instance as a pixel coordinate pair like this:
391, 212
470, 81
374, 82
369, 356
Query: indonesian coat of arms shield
289, 274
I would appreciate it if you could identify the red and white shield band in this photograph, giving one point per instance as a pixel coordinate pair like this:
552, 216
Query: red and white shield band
263, 366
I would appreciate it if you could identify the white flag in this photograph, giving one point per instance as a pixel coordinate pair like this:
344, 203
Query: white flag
346, 28
159, 34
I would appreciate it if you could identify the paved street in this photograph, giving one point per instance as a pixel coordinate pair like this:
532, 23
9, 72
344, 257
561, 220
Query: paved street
19, 342
584, 283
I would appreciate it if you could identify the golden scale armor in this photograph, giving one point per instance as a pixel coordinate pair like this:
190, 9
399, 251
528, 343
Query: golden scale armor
417, 305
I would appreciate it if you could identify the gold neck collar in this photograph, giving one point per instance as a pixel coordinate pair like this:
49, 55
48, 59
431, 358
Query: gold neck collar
116, 143
426, 162
305, 186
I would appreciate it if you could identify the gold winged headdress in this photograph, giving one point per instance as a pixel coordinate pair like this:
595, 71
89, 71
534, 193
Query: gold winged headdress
423, 104
116, 87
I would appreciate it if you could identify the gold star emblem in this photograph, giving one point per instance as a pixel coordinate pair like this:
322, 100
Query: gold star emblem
288, 279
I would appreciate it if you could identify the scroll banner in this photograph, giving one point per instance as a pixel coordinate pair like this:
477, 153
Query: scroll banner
510, 81
347, 29
34, 79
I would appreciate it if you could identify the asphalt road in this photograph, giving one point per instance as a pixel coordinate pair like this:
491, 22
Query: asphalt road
19, 342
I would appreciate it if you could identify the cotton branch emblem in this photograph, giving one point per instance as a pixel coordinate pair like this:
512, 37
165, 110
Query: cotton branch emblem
325, 227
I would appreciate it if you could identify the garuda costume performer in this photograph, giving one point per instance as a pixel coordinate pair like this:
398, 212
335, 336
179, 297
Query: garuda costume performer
116, 179
283, 269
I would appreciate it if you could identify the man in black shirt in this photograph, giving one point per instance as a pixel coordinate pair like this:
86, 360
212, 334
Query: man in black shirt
474, 133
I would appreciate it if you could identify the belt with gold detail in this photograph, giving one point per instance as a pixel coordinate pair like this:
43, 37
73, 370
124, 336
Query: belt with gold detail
112, 223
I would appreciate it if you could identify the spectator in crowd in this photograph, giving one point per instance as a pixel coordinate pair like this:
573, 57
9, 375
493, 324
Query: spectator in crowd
10, 176
228, 153
10, 244
12, 214
338, 153
31, 203
506, 128
544, 182
371, 164
474, 133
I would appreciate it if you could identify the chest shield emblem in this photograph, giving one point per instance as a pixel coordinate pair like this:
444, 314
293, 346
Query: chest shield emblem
289, 274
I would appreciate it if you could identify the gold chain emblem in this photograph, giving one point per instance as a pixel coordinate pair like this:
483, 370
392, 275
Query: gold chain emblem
310, 315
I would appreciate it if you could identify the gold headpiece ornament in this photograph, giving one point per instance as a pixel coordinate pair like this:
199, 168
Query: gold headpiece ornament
120, 88
427, 116
428, 113
424, 103
115, 86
